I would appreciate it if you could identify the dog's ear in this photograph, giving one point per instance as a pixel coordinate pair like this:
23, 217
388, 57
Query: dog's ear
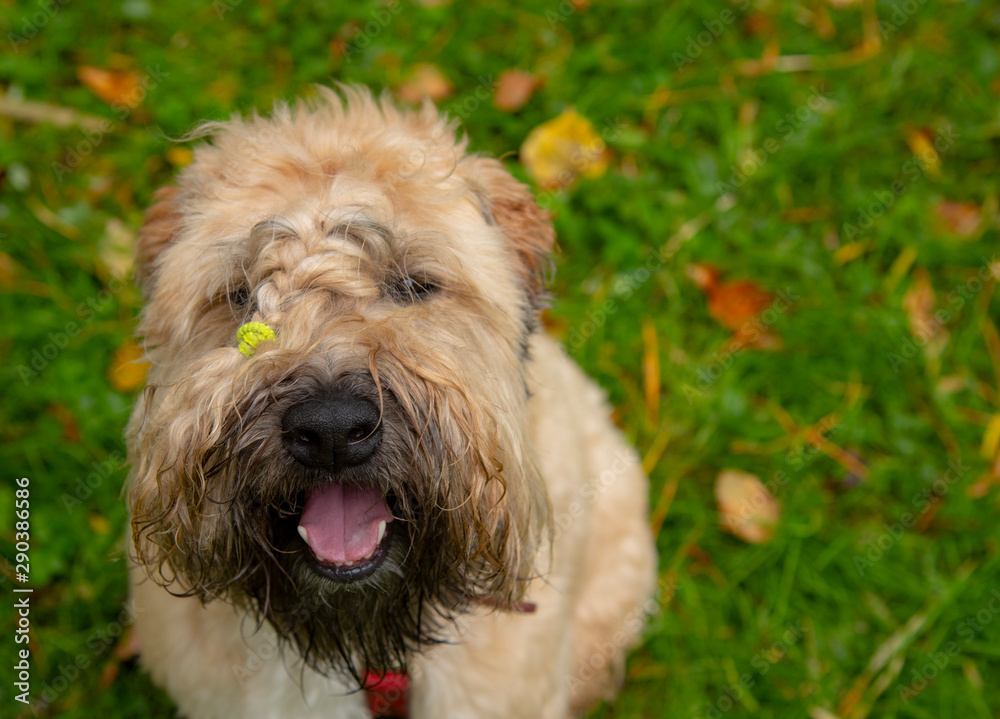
528, 227
159, 228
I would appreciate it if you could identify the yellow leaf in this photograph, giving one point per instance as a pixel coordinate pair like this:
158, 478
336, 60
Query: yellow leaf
99, 524
179, 156
921, 144
127, 371
991, 438
746, 508
849, 252
566, 147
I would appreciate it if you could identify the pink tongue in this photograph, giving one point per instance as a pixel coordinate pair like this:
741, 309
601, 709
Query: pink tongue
342, 522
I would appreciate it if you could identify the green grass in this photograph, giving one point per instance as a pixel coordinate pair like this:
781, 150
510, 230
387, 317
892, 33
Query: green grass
799, 619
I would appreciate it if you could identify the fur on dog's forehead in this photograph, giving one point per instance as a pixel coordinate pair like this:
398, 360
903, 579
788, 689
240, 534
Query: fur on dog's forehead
320, 171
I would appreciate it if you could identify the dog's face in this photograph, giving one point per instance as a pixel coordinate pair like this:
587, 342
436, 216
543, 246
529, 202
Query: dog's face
366, 473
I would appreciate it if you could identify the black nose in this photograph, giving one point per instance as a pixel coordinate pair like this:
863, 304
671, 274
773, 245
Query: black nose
332, 433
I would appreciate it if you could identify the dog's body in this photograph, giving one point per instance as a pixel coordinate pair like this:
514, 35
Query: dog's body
408, 461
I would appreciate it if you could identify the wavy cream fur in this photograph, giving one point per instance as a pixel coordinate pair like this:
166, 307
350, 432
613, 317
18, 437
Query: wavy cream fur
499, 439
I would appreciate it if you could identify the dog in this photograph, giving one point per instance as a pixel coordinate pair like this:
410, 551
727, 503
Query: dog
394, 493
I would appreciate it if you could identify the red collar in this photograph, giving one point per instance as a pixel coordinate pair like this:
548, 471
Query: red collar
388, 694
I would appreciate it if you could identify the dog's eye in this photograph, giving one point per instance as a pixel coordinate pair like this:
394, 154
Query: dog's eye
239, 297
412, 289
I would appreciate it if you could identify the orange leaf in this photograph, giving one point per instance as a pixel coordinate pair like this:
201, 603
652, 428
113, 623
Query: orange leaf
566, 147
514, 89
746, 508
115, 87
127, 371
733, 303
959, 218
426, 81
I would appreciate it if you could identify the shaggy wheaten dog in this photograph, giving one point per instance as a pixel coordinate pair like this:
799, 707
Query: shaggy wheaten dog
394, 470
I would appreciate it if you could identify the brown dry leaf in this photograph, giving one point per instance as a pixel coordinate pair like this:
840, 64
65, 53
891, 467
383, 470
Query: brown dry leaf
920, 304
127, 370
115, 87
746, 509
425, 81
514, 89
566, 147
959, 218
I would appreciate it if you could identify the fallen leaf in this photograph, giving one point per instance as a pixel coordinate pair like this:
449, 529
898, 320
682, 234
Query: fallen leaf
921, 142
514, 89
991, 439
920, 304
959, 218
99, 523
732, 304
179, 156
127, 371
566, 147
425, 81
850, 251
651, 371
115, 87
746, 509
981, 487
115, 248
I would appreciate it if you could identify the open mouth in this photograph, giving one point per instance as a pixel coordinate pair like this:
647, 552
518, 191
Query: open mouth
346, 530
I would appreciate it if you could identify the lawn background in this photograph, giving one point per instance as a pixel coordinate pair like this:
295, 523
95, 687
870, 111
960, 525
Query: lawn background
687, 98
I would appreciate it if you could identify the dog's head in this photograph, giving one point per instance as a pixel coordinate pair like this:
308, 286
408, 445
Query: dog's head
367, 473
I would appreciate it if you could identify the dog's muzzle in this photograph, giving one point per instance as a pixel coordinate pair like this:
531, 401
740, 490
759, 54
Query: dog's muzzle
342, 524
